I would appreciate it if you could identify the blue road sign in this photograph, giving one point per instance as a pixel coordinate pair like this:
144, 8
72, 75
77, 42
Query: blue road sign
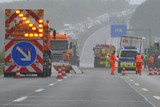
24, 53
118, 30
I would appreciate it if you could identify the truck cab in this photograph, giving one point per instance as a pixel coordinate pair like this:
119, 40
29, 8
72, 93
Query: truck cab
59, 47
127, 58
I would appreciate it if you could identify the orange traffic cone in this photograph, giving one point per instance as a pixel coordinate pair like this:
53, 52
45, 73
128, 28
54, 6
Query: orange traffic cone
150, 70
59, 76
159, 70
63, 71
123, 71
155, 70
18, 75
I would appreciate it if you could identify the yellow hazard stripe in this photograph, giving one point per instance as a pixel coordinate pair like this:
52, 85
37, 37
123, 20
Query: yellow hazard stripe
126, 64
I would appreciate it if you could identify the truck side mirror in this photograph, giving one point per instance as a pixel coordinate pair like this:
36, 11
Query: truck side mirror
54, 34
70, 45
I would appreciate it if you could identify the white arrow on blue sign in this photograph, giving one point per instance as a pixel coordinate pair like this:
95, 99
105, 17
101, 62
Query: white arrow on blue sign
24, 53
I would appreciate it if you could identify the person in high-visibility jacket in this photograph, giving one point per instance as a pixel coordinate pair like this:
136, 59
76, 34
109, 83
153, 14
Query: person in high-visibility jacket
112, 61
139, 63
107, 60
151, 61
145, 61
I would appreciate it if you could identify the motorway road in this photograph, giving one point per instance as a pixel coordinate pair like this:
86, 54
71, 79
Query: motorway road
94, 88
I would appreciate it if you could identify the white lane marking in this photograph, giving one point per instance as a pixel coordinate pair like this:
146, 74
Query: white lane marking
144, 89
59, 80
39, 90
157, 97
51, 84
131, 80
20, 99
139, 93
136, 84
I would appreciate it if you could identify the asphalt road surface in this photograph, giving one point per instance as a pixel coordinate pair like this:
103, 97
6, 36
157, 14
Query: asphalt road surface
94, 88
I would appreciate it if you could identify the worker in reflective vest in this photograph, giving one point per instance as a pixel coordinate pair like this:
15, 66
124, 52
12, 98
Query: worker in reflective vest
107, 60
151, 61
112, 61
139, 63
145, 60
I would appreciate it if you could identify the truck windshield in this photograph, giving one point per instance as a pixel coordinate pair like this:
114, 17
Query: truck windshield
128, 53
58, 45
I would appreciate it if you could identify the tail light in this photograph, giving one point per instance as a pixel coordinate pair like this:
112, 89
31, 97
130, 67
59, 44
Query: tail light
44, 63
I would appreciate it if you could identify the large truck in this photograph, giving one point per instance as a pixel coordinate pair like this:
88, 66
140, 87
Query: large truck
100, 54
59, 46
129, 47
27, 46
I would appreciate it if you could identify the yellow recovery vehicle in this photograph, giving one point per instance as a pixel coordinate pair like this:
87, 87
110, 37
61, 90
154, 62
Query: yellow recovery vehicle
101, 55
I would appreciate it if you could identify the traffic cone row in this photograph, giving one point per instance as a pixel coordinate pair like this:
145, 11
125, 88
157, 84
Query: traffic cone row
61, 72
18, 75
155, 71
123, 71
